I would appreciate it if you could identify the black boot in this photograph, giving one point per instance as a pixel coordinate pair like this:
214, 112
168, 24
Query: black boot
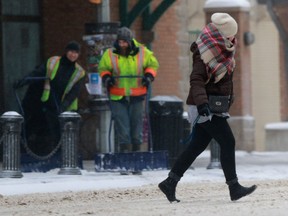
168, 187
237, 191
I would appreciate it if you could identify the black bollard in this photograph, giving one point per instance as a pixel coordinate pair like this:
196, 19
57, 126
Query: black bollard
11, 136
215, 155
69, 122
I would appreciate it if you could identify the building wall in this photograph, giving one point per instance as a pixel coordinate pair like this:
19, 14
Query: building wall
64, 21
191, 17
265, 73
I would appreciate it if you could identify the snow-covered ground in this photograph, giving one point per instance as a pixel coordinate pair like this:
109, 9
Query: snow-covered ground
250, 166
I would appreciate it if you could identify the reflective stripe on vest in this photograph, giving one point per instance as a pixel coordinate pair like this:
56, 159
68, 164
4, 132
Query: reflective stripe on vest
114, 62
51, 67
77, 75
140, 61
132, 91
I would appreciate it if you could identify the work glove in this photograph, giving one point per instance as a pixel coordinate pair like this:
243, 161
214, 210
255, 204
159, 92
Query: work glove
203, 109
108, 81
147, 79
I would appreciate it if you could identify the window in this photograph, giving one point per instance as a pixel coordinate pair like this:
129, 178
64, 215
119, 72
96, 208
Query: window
20, 7
20, 46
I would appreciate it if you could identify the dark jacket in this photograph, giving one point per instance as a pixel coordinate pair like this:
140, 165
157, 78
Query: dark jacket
199, 90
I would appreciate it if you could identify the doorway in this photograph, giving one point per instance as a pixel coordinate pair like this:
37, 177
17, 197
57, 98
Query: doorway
20, 47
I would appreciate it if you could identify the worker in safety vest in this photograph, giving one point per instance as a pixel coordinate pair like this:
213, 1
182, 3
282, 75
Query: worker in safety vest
54, 87
127, 70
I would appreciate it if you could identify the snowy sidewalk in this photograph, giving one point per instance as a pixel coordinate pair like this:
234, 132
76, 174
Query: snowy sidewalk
250, 166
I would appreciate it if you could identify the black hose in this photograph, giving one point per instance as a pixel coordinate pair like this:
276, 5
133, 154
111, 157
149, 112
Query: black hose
17, 96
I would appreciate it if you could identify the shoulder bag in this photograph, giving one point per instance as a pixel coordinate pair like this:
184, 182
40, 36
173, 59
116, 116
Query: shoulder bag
220, 103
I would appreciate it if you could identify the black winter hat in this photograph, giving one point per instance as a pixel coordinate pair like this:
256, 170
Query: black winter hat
124, 33
74, 46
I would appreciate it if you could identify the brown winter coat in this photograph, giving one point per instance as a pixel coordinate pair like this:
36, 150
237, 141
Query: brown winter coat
199, 91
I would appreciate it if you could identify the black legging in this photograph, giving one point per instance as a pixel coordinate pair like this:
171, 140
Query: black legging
219, 129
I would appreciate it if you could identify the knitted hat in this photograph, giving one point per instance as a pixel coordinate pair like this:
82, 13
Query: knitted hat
124, 33
73, 45
225, 24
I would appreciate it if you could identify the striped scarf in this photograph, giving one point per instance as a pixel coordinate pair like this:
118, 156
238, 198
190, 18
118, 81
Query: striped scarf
216, 51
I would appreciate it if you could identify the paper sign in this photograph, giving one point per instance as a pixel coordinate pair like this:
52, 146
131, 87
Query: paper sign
94, 87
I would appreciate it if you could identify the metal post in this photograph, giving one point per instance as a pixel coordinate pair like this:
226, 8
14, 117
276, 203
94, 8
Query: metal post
69, 137
104, 137
11, 136
215, 155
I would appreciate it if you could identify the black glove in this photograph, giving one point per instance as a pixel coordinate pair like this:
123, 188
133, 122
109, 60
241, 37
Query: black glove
147, 79
108, 81
203, 109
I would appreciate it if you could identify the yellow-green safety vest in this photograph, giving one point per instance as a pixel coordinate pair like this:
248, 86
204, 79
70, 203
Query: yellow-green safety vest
51, 68
115, 65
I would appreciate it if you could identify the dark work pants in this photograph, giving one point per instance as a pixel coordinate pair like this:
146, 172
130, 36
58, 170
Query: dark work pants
219, 129
128, 117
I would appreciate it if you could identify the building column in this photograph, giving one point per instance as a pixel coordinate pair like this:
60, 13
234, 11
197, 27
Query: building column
241, 121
